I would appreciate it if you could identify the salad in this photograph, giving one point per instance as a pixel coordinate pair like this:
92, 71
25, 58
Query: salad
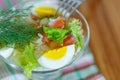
34, 37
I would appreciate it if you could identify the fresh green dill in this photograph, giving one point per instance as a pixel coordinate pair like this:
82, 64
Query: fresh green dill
14, 30
12, 13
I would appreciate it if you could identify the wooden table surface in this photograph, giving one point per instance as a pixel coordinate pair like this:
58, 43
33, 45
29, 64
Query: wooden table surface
103, 17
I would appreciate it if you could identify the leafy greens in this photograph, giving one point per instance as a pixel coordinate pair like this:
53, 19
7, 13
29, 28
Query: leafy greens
27, 60
75, 27
55, 34
14, 30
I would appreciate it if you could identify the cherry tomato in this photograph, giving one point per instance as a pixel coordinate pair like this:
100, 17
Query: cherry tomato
70, 39
58, 23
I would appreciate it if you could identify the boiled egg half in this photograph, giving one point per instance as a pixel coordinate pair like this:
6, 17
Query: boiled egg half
44, 8
57, 58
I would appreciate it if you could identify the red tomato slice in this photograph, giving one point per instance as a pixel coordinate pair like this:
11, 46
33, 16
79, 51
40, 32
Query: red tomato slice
45, 39
58, 23
69, 40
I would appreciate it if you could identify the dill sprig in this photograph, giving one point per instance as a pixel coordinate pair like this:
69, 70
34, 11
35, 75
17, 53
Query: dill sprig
12, 13
14, 30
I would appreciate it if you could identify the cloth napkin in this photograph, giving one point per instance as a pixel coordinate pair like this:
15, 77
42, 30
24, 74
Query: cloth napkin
83, 69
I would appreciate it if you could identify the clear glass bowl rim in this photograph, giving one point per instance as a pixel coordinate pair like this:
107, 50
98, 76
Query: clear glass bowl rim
82, 50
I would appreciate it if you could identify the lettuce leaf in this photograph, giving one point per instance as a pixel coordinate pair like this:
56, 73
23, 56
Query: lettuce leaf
27, 60
75, 27
55, 34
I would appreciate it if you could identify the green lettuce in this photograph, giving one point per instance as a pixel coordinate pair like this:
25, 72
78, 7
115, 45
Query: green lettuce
75, 27
28, 61
55, 34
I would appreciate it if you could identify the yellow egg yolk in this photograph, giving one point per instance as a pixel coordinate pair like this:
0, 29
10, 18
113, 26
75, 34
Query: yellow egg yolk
56, 53
45, 11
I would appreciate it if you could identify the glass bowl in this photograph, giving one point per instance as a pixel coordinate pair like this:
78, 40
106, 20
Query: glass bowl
51, 74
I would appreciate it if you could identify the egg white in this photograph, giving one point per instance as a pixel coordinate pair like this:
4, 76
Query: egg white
55, 64
6, 52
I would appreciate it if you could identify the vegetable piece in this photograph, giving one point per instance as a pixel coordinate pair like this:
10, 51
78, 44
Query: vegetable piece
75, 27
27, 60
55, 34
58, 23
35, 18
51, 44
18, 33
44, 21
10, 13
15, 30
36, 25
69, 40
54, 45
45, 39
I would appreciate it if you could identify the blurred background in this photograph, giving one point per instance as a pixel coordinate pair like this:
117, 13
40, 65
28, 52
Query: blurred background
103, 17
